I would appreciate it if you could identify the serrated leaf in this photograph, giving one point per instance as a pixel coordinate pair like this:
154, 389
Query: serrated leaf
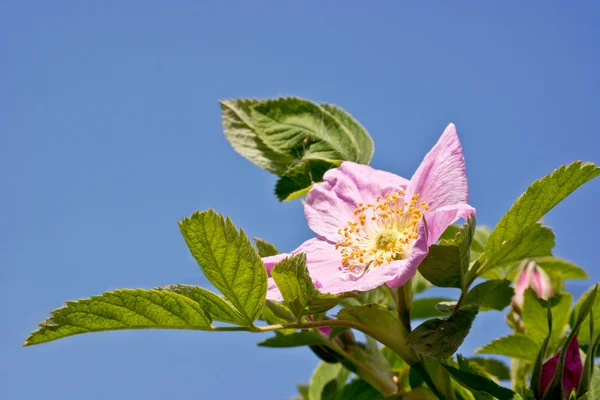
535, 319
535, 241
119, 310
426, 308
300, 178
492, 366
323, 302
359, 390
296, 339
448, 261
494, 294
539, 198
293, 280
219, 308
295, 126
566, 269
239, 131
323, 375
280, 311
439, 338
515, 346
228, 260
265, 249
362, 137
480, 383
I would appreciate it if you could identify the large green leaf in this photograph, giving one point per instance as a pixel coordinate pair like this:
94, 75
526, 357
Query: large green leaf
494, 294
300, 178
492, 366
359, 390
537, 200
559, 266
516, 346
480, 384
324, 374
228, 260
535, 319
219, 308
122, 309
296, 339
439, 338
425, 308
362, 137
265, 249
584, 332
295, 126
535, 241
240, 132
448, 261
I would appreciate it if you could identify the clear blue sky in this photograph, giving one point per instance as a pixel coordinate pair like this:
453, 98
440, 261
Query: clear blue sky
110, 132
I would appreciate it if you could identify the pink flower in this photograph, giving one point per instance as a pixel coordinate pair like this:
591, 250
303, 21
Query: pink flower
375, 227
531, 276
571, 373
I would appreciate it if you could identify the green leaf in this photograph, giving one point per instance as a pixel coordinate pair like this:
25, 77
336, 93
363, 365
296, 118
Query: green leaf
265, 249
584, 332
425, 308
537, 200
359, 390
535, 320
228, 260
439, 338
362, 137
322, 302
419, 283
218, 308
293, 280
381, 325
296, 339
446, 307
492, 366
536, 373
119, 310
369, 364
480, 383
295, 126
566, 269
300, 178
303, 390
240, 132
515, 346
494, 294
447, 262
323, 375
480, 238
395, 362
536, 241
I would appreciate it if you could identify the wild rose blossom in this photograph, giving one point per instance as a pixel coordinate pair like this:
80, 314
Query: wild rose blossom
375, 227
571, 373
534, 277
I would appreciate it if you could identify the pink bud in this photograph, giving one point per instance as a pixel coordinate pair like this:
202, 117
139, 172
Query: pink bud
571, 373
531, 276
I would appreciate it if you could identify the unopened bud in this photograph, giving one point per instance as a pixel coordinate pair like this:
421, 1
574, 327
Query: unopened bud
533, 277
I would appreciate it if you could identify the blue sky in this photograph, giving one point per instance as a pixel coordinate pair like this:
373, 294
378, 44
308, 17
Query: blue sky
110, 132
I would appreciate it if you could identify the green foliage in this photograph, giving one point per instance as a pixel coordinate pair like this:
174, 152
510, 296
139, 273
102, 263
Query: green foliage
296, 339
439, 338
536, 241
300, 178
494, 294
557, 266
228, 260
478, 383
541, 196
535, 320
265, 249
219, 308
326, 374
426, 307
584, 332
517, 346
395, 362
492, 366
122, 309
448, 261
358, 389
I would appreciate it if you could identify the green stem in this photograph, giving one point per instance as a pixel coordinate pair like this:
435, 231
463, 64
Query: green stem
403, 299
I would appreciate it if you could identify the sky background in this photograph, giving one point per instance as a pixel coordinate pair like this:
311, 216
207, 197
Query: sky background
110, 132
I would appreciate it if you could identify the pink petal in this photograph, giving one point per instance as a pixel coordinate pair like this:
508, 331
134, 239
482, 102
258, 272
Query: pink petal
441, 218
272, 260
273, 292
331, 204
441, 178
571, 373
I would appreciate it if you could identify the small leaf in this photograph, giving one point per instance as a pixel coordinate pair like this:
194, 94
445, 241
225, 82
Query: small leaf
439, 338
492, 366
119, 310
265, 249
323, 374
219, 308
447, 262
300, 178
480, 383
323, 302
362, 137
228, 260
426, 308
515, 346
446, 307
359, 390
494, 294
538, 199
293, 280
296, 339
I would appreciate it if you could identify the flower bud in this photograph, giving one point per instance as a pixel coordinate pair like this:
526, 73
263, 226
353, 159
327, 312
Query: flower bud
571, 374
533, 277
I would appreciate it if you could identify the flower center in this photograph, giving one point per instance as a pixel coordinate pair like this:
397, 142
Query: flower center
382, 232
